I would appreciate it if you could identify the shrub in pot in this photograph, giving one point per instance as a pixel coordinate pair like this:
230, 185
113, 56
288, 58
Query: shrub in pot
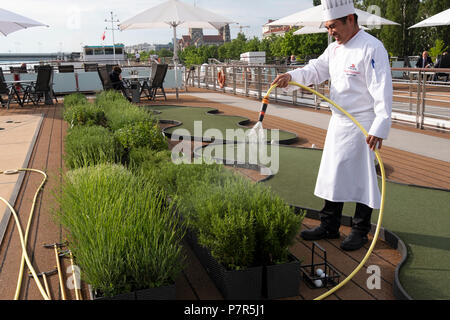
242, 224
122, 232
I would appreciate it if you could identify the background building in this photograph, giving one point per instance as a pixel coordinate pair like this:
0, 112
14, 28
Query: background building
276, 30
197, 38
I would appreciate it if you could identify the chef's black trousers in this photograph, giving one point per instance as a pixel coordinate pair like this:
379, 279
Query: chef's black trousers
331, 214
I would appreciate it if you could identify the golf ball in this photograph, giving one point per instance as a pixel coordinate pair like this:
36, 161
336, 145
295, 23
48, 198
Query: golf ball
319, 272
318, 283
323, 275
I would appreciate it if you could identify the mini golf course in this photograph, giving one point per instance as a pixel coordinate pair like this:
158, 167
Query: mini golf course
419, 216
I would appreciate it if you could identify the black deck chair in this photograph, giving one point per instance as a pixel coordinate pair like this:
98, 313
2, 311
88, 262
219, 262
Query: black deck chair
110, 67
104, 78
66, 69
18, 70
90, 67
8, 91
145, 86
157, 80
444, 62
43, 85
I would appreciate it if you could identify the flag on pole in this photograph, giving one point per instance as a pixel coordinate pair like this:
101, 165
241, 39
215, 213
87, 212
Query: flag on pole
103, 36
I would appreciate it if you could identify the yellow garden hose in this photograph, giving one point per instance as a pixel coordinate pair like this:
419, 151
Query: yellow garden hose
24, 238
383, 183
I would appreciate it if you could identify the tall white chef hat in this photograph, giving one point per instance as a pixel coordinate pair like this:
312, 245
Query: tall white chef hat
334, 9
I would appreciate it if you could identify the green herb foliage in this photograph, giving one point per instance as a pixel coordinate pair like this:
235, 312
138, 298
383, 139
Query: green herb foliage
90, 145
122, 231
74, 99
84, 114
142, 134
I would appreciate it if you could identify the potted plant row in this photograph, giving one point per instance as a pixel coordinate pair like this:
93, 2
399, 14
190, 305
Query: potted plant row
121, 230
240, 231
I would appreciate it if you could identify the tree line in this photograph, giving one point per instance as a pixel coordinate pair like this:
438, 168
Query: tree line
398, 40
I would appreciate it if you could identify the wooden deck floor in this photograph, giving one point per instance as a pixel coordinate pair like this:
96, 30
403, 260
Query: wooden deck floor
194, 283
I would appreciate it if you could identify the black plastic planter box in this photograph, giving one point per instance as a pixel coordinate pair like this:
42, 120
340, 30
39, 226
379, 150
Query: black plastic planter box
161, 293
233, 284
282, 280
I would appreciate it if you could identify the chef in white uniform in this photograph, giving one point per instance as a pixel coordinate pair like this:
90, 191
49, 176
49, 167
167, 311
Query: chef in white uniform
357, 65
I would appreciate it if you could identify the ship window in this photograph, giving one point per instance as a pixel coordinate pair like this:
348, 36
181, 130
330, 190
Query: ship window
109, 51
98, 51
119, 51
89, 52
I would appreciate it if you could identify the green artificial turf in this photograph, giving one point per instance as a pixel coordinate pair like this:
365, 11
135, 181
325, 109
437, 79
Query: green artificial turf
188, 115
419, 216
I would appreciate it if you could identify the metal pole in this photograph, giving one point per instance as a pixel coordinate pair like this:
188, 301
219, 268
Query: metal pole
214, 77
234, 79
410, 92
112, 31
424, 93
175, 56
259, 83
419, 79
245, 82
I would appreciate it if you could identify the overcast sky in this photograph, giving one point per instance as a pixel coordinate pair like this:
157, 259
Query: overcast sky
74, 23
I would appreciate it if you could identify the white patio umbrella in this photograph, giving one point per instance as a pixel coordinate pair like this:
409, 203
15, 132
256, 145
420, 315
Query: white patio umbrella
313, 17
440, 19
175, 14
11, 22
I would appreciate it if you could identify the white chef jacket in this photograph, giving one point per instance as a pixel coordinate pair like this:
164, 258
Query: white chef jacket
361, 83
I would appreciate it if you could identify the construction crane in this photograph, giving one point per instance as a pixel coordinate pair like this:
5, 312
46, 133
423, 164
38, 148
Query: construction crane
241, 27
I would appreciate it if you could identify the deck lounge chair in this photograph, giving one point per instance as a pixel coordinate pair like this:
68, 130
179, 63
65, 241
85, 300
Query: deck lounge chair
66, 69
159, 72
18, 70
109, 67
8, 91
90, 67
104, 78
107, 84
43, 86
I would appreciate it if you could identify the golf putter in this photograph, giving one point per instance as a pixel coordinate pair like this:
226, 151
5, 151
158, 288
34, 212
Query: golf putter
78, 293
58, 265
44, 276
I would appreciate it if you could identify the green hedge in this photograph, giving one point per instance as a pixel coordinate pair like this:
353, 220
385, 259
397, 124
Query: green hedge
122, 232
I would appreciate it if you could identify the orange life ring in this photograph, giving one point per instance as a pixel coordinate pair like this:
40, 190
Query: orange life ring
221, 79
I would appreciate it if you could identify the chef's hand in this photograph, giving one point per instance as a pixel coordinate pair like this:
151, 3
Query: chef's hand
282, 80
372, 141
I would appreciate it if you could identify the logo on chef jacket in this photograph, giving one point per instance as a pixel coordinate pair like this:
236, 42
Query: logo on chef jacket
352, 70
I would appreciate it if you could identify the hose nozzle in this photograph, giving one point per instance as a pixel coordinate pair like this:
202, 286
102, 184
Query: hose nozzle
262, 113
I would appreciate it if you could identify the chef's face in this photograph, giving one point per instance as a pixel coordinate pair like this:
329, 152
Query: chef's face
340, 30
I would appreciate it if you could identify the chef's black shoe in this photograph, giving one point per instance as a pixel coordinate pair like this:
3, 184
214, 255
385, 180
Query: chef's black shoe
354, 241
319, 233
